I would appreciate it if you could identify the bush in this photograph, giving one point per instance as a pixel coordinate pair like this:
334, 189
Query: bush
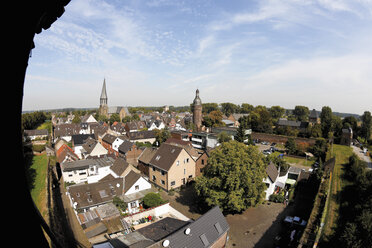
152, 200
277, 198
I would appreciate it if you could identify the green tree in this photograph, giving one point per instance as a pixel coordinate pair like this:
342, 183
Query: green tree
216, 118
209, 107
326, 121
366, 127
301, 113
223, 137
161, 136
276, 112
246, 108
152, 200
233, 177
291, 147
240, 134
229, 108
114, 117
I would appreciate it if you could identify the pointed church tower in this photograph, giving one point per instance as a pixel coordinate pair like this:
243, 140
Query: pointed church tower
103, 108
197, 113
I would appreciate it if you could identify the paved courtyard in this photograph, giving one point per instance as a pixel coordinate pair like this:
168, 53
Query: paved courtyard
256, 227
361, 156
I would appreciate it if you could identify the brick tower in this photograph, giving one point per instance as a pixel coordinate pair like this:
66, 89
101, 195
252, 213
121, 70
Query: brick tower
197, 114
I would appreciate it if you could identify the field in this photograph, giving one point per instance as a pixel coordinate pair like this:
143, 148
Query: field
38, 185
342, 154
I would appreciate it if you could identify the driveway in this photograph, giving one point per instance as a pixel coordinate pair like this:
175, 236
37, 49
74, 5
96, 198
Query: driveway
361, 156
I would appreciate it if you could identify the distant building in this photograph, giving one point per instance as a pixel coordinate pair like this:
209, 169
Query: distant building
314, 117
347, 136
107, 111
197, 113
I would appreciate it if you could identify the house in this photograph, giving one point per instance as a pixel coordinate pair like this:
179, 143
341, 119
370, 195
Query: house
135, 188
107, 142
155, 124
92, 148
78, 140
88, 118
201, 140
300, 125
118, 128
145, 158
135, 126
171, 166
121, 168
314, 117
185, 144
86, 196
115, 145
277, 179
209, 230
346, 136
130, 152
65, 131
201, 162
88, 170
36, 134
235, 118
66, 154
142, 136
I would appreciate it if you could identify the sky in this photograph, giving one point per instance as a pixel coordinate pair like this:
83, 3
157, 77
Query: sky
158, 52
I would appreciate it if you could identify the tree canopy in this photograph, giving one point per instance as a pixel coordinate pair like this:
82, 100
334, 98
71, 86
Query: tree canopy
233, 178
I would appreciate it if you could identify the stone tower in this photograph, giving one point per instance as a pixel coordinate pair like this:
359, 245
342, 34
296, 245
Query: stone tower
103, 108
197, 113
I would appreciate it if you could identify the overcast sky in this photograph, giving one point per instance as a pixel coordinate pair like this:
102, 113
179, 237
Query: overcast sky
153, 53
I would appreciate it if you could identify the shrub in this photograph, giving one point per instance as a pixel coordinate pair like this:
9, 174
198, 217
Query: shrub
277, 198
152, 200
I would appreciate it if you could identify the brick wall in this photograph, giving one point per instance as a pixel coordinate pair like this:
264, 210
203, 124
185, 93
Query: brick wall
281, 138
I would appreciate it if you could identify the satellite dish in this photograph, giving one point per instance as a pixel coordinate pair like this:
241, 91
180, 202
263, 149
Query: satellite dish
187, 231
118, 185
166, 243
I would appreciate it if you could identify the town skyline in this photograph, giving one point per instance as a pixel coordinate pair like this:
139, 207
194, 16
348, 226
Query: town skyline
158, 53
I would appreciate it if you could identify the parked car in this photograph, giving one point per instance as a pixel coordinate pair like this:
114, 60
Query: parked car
295, 221
266, 152
264, 143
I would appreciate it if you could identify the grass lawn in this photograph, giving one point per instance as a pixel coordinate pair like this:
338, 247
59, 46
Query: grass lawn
39, 164
342, 154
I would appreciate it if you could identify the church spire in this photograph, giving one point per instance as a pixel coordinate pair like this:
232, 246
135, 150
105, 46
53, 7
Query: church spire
103, 98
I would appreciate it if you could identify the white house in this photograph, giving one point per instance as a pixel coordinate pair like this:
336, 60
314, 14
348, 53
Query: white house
135, 188
274, 181
117, 142
89, 170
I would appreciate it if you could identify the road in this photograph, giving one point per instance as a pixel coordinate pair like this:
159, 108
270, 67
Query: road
361, 156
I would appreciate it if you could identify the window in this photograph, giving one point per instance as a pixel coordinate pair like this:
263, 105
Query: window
153, 168
187, 160
133, 204
173, 183
184, 171
204, 240
162, 173
163, 182
218, 228
136, 187
153, 178
178, 162
190, 176
202, 161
